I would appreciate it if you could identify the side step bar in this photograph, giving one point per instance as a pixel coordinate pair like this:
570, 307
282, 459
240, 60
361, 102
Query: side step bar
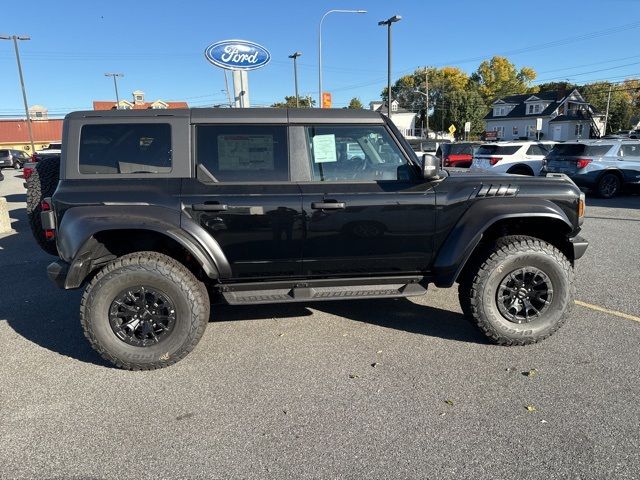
324, 289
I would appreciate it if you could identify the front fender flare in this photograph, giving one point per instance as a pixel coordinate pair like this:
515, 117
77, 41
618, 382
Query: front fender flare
465, 236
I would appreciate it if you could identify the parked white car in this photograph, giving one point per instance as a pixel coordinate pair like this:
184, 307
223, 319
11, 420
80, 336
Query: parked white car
521, 158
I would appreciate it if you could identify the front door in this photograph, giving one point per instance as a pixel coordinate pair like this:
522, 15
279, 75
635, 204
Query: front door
365, 210
243, 198
557, 133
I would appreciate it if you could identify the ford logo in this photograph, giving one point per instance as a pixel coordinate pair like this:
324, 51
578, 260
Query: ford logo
237, 55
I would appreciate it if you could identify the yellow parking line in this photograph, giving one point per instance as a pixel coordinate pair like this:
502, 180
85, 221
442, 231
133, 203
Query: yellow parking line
610, 312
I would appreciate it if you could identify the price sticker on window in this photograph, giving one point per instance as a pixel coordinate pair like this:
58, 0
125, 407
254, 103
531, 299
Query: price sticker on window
324, 148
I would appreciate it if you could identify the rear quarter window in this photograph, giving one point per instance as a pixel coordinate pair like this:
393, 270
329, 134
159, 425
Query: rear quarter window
497, 149
125, 148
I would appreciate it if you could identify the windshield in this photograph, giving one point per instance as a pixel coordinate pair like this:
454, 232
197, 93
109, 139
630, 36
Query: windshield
575, 149
497, 149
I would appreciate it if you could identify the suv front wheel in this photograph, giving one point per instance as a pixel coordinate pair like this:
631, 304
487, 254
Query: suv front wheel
520, 292
144, 311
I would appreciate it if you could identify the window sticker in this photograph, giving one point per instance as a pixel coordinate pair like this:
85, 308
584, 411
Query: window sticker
324, 148
245, 152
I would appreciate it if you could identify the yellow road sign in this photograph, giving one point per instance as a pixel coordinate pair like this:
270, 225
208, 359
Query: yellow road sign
452, 129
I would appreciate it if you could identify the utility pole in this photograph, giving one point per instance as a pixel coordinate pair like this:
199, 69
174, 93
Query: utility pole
606, 115
388, 23
294, 56
426, 87
15, 39
115, 85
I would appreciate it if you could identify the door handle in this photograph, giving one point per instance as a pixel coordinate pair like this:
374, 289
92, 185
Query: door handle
209, 207
328, 205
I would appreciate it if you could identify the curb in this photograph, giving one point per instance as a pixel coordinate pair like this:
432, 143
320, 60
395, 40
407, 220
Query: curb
5, 221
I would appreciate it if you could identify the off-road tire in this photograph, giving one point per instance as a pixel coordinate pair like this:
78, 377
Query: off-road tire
41, 184
478, 287
157, 271
608, 186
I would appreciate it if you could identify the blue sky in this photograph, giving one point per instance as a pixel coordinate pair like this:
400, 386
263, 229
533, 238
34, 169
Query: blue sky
159, 45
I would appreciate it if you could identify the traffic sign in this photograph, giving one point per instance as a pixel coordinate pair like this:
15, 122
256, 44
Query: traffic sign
452, 129
326, 100
467, 127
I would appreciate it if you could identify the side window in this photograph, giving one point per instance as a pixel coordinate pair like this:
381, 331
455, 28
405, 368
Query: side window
335, 157
125, 148
630, 150
536, 150
243, 153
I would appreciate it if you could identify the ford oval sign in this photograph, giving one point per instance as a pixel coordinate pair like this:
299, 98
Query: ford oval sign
237, 55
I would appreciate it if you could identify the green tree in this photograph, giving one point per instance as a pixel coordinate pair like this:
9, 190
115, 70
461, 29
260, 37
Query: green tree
499, 77
555, 86
290, 102
620, 108
465, 106
355, 104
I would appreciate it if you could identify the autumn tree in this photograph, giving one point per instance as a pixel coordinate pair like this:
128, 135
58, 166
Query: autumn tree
410, 91
499, 77
355, 104
290, 102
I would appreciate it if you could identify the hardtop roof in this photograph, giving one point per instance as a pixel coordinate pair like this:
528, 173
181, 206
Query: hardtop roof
243, 115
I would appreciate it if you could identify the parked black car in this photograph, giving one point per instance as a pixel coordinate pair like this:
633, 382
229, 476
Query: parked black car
156, 213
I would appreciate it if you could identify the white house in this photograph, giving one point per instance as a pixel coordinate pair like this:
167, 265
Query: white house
564, 117
403, 119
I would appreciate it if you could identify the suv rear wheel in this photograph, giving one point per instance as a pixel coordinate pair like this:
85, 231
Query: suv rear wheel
608, 185
144, 311
519, 292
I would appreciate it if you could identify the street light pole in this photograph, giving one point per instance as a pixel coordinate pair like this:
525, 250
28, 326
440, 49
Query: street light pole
295, 74
388, 22
15, 39
320, 49
115, 85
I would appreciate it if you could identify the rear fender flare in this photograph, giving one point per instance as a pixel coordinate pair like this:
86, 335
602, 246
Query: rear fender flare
78, 246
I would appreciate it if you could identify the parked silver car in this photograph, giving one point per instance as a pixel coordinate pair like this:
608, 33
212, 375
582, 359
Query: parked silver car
601, 166
13, 158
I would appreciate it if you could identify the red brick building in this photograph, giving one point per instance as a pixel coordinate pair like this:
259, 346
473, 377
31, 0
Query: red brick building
15, 133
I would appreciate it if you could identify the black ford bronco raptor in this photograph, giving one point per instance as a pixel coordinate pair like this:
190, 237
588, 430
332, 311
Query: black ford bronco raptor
156, 213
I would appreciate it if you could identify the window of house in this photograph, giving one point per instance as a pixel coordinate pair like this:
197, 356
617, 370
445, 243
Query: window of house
39, 115
500, 131
515, 131
579, 129
125, 148
499, 111
531, 130
243, 153
354, 153
394, 107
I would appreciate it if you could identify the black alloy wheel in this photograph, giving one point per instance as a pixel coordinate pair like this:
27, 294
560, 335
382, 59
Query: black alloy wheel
142, 316
524, 295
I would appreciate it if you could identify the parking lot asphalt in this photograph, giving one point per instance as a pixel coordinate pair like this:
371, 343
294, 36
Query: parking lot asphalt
361, 389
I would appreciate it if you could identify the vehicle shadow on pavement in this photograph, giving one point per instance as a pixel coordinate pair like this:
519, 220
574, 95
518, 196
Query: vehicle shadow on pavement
16, 197
399, 314
627, 200
33, 307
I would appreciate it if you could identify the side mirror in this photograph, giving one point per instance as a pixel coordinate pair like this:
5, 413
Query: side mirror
430, 166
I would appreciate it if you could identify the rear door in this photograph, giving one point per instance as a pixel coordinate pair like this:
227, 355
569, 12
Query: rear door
243, 198
363, 215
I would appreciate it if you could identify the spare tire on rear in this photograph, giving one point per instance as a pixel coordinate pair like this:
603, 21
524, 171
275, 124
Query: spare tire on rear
41, 184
